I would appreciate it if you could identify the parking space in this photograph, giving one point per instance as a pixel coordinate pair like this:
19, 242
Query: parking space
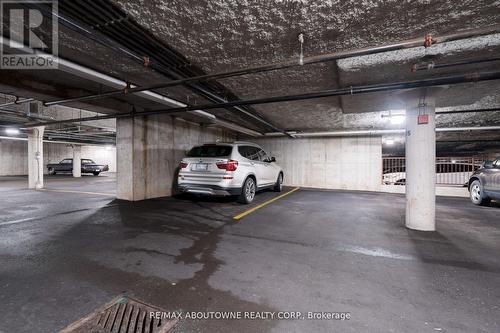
104, 184
304, 252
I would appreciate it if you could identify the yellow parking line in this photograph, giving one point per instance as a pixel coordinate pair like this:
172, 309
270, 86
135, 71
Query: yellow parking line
251, 210
78, 192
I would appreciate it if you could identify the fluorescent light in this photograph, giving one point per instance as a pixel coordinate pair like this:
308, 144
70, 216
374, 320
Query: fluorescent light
389, 142
12, 131
109, 147
398, 119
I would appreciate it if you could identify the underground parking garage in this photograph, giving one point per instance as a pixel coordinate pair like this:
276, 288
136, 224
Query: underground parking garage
208, 166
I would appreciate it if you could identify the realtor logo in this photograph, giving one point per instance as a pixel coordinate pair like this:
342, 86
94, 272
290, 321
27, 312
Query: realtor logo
29, 34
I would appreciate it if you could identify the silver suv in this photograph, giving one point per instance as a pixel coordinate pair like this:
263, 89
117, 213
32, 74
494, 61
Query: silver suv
484, 184
238, 168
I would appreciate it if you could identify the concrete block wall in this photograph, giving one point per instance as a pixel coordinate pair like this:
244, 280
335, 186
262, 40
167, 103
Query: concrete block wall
14, 156
149, 150
351, 163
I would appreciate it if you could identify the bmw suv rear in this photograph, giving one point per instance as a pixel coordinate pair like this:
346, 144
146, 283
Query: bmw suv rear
239, 168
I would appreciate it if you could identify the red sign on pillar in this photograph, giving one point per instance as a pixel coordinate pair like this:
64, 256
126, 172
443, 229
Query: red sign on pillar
423, 119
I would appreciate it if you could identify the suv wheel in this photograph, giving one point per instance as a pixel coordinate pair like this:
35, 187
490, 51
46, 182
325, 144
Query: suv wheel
247, 191
477, 195
52, 171
96, 173
278, 187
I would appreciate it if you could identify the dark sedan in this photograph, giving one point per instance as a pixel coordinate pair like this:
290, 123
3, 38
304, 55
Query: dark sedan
66, 165
484, 184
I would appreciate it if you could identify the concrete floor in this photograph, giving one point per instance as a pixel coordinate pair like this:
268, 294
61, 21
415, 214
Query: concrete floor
64, 254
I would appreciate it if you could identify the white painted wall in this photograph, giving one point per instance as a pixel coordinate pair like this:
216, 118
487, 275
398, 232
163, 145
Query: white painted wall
353, 163
14, 156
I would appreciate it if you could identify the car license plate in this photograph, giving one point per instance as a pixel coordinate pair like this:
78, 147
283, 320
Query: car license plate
201, 167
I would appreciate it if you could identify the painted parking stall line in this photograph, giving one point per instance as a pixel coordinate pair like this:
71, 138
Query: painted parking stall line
77, 192
251, 210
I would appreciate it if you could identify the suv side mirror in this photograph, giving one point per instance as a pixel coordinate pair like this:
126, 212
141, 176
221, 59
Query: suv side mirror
273, 159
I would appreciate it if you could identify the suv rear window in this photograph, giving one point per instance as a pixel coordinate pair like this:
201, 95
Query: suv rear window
210, 151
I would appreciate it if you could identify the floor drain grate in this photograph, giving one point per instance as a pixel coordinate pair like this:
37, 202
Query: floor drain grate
122, 315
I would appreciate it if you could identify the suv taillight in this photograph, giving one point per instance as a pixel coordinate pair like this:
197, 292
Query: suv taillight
230, 165
183, 165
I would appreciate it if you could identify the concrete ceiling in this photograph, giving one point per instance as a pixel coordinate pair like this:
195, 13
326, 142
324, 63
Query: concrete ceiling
223, 35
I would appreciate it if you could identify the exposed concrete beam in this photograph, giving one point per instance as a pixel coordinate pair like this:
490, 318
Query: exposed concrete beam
381, 132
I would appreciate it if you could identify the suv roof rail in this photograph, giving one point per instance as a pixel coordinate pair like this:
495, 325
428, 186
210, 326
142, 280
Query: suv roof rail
230, 143
245, 142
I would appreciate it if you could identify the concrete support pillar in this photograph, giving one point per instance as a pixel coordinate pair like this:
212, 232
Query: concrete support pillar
145, 157
77, 161
35, 157
421, 162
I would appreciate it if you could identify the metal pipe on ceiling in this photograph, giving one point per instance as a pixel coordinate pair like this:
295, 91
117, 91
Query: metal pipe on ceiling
441, 81
412, 43
468, 111
16, 102
107, 144
450, 112
467, 141
465, 129
432, 65
381, 132
350, 133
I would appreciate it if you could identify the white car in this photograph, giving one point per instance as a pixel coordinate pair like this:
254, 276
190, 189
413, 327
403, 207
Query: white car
238, 168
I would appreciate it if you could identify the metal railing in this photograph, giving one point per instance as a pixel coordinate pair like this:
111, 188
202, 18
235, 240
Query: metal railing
449, 170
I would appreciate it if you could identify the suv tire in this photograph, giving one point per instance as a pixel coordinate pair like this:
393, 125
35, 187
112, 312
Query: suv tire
477, 194
248, 191
52, 171
278, 187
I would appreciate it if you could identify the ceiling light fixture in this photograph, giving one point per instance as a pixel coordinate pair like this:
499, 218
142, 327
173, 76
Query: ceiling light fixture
398, 119
12, 131
389, 142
